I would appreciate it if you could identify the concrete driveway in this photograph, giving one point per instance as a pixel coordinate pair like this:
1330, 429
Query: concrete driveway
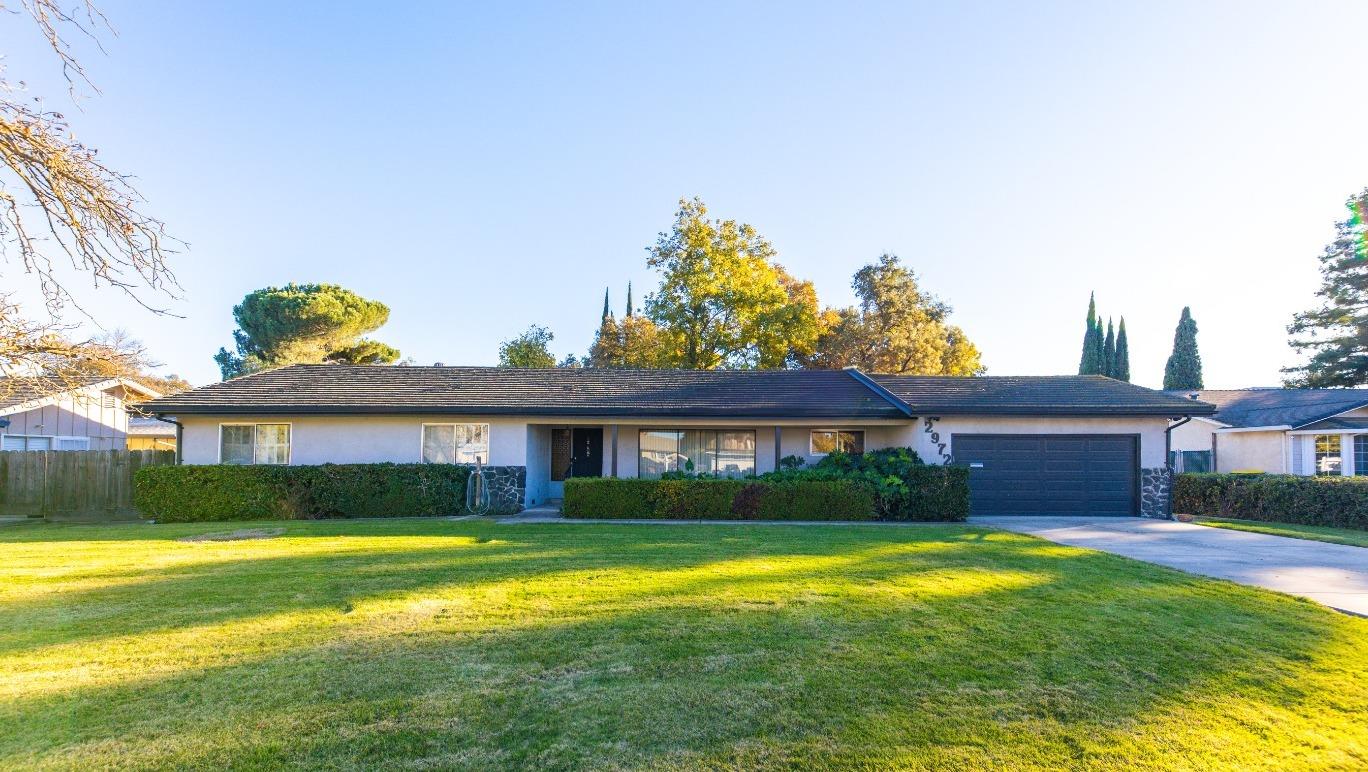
1335, 575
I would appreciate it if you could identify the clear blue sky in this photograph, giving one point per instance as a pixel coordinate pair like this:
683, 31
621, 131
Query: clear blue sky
483, 168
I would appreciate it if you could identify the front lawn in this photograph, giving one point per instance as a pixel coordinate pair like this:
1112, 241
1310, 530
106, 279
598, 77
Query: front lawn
1312, 532
443, 644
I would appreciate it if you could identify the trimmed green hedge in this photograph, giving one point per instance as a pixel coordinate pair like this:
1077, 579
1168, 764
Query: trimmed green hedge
920, 493
605, 497
184, 494
1339, 502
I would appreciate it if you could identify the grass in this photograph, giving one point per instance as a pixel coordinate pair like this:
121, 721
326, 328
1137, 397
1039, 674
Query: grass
421, 644
1313, 532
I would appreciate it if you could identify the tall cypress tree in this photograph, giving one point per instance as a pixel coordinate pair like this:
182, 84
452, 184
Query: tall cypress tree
1121, 371
629, 299
606, 312
1184, 367
1109, 352
1090, 363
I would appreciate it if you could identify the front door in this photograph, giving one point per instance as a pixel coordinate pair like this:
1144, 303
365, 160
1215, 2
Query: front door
586, 452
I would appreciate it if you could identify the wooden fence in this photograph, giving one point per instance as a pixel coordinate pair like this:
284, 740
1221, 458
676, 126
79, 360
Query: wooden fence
89, 483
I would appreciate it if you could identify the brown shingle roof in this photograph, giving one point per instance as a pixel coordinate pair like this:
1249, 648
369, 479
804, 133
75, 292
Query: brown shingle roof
679, 393
1035, 395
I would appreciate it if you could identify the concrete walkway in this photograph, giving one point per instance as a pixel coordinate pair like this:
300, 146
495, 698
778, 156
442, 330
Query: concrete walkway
1335, 575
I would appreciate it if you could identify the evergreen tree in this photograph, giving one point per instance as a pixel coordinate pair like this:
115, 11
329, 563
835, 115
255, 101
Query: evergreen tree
1121, 370
1091, 361
629, 299
1109, 352
305, 324
1184, 367
606, 313
1336, 333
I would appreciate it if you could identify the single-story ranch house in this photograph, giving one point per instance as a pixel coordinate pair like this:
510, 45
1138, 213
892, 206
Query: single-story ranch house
1048, 444
1284, 431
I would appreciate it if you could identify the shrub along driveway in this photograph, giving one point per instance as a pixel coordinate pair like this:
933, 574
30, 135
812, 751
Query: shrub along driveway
439, 644
1333, 574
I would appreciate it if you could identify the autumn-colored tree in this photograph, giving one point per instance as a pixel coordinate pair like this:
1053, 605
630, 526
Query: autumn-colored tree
631, 342
117, 354
305, 324
722, 301
896, 328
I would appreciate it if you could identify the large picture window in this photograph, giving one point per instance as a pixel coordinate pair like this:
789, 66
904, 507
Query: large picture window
1328, 458
1361, 454
721, 452
824, 441
254, 444
455, 443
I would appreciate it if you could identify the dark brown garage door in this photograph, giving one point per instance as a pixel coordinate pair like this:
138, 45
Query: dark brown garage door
1050, 474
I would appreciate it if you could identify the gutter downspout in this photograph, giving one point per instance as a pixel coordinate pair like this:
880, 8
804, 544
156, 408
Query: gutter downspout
180, 432
1168, 460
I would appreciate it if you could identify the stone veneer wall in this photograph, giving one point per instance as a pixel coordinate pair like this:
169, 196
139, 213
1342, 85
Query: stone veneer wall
1156, 484
507, 488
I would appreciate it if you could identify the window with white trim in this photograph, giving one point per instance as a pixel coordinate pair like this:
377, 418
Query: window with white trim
26, 442
824, 441
721, 452
1328, 458
455, 443
254, 443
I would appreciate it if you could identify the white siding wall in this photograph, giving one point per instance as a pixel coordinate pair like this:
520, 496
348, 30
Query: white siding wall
81, 414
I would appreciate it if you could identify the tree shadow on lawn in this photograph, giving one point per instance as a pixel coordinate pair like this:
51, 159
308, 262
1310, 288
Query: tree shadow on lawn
239, 585
768, 652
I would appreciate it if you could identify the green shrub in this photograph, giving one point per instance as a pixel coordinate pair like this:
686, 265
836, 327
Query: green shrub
816, 500
608, 497
942, 493
222, 492
1338, 502
903, 488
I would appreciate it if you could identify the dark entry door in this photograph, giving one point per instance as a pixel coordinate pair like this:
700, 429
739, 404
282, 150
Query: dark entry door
586, 452
1050, 474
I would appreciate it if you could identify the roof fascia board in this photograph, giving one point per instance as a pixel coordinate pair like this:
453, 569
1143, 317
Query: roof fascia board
881, 392
641, 419
1359, 406
1238, 429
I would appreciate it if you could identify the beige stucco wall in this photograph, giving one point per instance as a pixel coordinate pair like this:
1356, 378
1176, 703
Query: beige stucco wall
80, 414
1150, 429
355, 439
1193, 435
1251, 451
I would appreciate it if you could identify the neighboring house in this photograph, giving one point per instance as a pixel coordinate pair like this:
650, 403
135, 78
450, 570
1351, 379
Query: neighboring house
89, 415
1066, 444
148, 433
1283, 431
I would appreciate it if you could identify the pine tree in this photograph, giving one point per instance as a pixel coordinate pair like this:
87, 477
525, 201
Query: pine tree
1121, 371
606, 312
1184, 367
1091, 363
1109, 352
1336, 334
629, 299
